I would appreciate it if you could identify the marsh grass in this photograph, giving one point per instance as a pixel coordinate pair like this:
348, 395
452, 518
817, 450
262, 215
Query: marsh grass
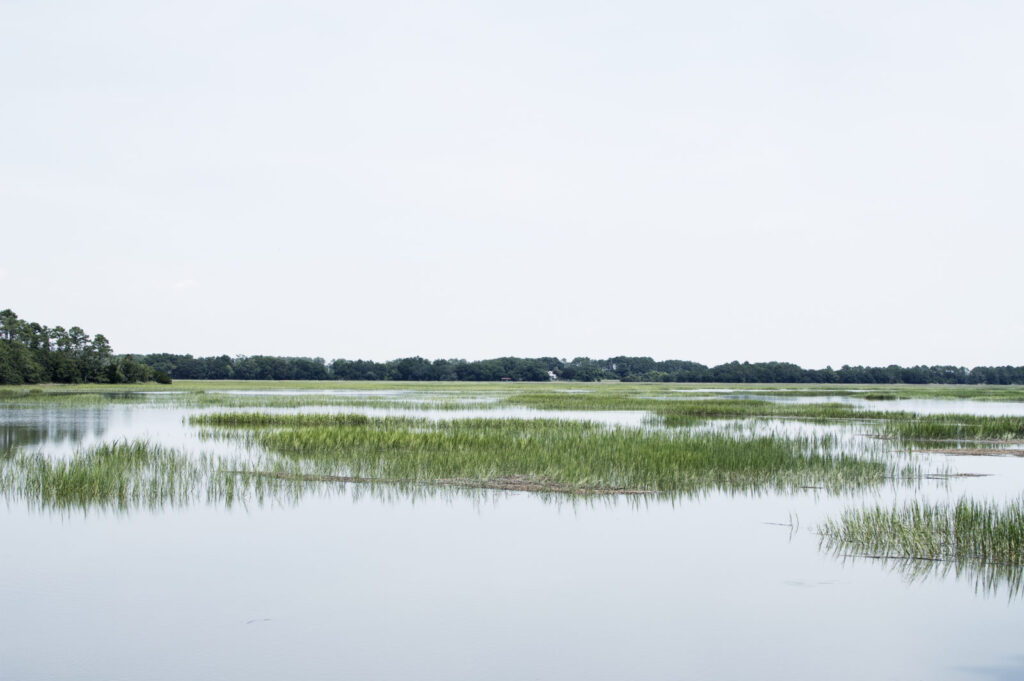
980, 539
681, 411
954, 427
120, 475
384, 401
264, 419
555, 455
212, 393
897, 391
34, 397
130, 475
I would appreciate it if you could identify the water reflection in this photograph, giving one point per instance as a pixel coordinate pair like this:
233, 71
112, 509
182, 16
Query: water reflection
53, 427
987, 579
59, 431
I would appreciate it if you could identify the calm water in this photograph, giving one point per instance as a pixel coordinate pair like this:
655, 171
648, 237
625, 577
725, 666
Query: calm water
366, 585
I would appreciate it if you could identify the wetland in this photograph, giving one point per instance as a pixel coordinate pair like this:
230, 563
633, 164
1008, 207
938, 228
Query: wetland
507, 531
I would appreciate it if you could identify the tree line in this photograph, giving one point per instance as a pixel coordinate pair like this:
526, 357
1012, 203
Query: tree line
33, 353
545, 368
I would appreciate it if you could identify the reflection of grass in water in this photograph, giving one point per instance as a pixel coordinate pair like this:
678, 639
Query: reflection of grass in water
990, 579
556, 455
976, 539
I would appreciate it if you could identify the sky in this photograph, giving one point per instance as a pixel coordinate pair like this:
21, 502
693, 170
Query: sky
821, 183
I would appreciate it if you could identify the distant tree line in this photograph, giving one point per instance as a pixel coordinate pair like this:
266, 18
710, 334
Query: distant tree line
33, 353
543, 368
261, 367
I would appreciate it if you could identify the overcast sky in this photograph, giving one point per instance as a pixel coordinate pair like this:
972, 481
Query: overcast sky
816, 182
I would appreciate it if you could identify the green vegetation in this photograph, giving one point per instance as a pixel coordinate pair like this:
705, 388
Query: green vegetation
642, 369
552, 455
989, 393
457, 390
967, 532
122, 475
977, 541
958, 427
386, 401
33, 397
32, 353
285, 455
314, 451
690, 444
264, 420
678, 410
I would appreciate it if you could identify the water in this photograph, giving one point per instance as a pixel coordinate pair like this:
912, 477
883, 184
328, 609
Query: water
498, 585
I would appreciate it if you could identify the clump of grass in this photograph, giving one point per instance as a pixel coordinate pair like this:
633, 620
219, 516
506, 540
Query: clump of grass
552, 455
974, 534
129, 475
119, 475
955, 427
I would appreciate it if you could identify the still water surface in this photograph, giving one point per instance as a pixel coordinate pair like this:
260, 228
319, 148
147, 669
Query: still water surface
500, 585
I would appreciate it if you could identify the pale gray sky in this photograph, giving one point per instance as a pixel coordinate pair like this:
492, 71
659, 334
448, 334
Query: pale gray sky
817, 182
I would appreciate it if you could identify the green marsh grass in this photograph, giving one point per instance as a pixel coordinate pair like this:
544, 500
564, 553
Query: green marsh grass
264, 419
35, 397
679, 411
120, 475
500, 389
982, 540
560, 456
384, 401
130, 475
954, 427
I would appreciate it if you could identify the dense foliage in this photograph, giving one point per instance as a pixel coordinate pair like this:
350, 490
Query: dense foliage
579, 369
32, 353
